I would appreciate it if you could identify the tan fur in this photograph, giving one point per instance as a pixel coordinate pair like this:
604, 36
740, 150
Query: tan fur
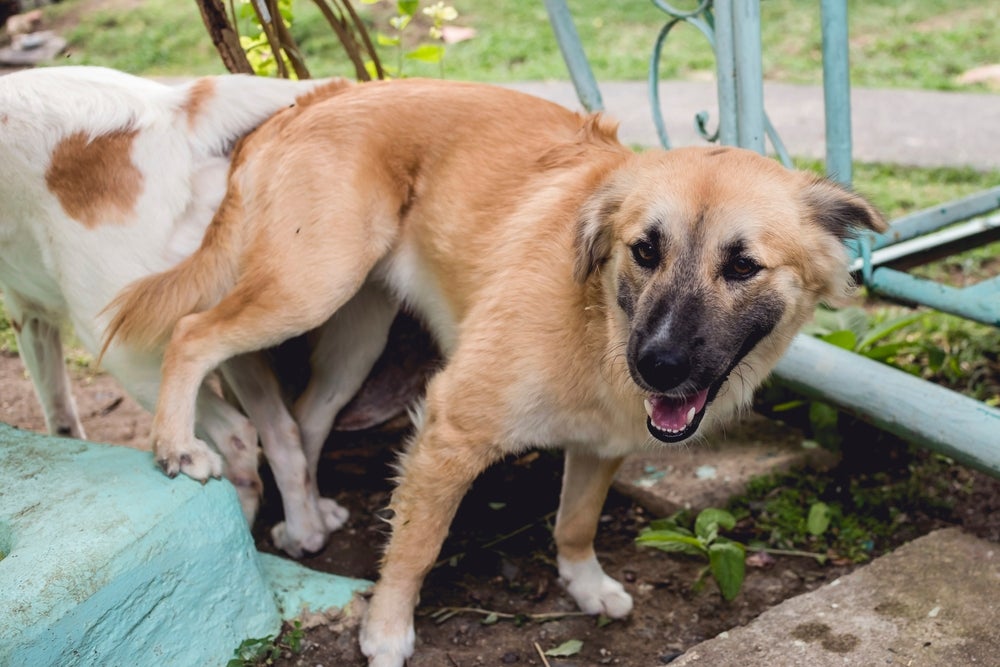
79, 170
508, 224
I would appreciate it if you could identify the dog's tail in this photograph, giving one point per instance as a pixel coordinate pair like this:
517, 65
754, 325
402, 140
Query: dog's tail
144, 313
218, 112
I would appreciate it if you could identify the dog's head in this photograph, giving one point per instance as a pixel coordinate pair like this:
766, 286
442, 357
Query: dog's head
710, 260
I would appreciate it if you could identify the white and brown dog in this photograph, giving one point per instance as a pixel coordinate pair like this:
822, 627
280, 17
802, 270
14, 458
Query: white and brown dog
583, 295
106, 178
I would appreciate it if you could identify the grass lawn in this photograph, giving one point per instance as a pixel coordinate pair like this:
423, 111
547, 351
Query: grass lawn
897, 43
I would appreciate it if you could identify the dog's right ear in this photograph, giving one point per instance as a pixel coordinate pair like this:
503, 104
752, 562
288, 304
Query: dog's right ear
594, 232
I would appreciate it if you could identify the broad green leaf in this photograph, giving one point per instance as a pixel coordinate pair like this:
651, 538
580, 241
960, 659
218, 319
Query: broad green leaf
386, 40
887, 351
887, 328
427, 53
707, 518
844, 339
726, 560
407, 7
567, 648
670, 523
666, 540
819, 519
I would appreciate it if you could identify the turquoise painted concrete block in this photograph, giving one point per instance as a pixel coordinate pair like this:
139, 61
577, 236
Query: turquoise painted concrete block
301, 592
109, 562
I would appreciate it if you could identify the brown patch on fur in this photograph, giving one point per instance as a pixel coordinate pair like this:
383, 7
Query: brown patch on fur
81, 170
200, 93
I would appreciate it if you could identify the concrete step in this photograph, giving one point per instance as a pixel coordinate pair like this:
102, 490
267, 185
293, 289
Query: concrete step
934, 601
708, 474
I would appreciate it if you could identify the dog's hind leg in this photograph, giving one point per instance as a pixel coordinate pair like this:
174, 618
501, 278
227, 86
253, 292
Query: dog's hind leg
344, 350
41, 350
586, 480
264, 310
304, 530
236, 439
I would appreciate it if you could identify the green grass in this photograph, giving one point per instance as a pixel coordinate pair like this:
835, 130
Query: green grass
871, 511
896, 43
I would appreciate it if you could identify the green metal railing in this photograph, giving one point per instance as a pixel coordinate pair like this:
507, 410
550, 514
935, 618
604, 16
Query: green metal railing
922, 412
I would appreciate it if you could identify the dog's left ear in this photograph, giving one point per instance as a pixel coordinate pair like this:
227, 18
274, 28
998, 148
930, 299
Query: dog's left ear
594, 232
840, 211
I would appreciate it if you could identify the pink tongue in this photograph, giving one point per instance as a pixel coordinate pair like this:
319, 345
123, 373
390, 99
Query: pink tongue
670, 414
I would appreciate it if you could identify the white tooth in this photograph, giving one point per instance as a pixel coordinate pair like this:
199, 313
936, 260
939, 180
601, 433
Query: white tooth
690, 416
649, 406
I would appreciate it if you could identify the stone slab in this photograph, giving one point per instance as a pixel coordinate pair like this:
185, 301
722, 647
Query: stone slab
934, 601
106, 561
709, 473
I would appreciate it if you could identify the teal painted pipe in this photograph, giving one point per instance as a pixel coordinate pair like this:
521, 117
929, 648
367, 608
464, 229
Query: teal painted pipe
749, 74
959, 427
836, 90
935, 217
572, 51
725, 66
981, 305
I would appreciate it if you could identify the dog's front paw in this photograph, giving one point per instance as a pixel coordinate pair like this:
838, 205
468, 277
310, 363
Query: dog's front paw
334, 515
594, 592
386, 639
193, 458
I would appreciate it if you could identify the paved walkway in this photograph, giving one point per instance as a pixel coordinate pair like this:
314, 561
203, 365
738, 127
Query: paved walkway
909, 127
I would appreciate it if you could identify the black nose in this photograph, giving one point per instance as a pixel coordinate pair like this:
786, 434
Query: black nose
663, 369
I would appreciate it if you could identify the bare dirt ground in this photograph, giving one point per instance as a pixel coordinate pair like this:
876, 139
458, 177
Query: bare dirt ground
499, 557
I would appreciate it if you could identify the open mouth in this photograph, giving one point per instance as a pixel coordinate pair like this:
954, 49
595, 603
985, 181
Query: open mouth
675, 418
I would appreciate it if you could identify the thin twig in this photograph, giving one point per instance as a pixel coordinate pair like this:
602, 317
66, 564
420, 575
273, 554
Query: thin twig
545, 661
444, 613
794, 552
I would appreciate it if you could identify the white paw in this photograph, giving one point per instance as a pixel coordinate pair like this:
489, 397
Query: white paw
334, 515
594, 592
386, 639
297, 546
193, 458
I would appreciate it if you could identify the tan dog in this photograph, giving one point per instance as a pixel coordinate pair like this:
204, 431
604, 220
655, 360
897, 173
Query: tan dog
584, 296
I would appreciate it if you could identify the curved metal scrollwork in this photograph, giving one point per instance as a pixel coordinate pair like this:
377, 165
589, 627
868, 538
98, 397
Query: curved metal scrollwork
702, 18
706, 27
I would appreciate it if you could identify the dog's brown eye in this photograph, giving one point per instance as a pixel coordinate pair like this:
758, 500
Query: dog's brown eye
741, 268
645, 254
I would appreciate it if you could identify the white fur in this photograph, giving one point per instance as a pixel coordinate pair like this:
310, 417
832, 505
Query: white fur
54, 269
594, 592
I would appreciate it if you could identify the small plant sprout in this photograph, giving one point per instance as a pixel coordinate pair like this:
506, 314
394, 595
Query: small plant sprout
726, 558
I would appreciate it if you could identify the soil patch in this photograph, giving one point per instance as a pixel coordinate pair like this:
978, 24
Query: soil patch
499, 556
